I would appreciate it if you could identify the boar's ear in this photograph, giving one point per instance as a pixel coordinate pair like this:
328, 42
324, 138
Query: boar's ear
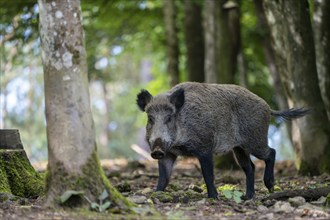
143, 98
177, 98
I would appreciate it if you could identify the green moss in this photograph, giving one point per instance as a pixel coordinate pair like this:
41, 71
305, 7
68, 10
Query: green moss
4, 185
115, 196
124, 187
22, 179
324, 163
192, 195
314, 168
92, 181
174, 187
161, 196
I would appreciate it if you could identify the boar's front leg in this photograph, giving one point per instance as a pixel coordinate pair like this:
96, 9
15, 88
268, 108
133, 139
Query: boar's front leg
206, 162
165, 167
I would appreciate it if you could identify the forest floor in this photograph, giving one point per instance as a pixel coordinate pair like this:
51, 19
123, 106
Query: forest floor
186, 197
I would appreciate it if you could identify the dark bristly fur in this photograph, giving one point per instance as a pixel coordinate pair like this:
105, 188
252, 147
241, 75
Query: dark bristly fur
199, 119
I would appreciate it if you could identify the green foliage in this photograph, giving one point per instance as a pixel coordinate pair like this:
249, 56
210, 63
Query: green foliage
103, 204
277, 188
231, 192
227, 187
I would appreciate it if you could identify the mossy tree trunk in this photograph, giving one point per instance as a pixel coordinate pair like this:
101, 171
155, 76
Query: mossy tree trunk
292, 36
72, 154
17, 176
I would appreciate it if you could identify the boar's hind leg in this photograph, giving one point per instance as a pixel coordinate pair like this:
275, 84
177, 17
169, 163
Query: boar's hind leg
244, 161
268, 155
165, 167
206, 162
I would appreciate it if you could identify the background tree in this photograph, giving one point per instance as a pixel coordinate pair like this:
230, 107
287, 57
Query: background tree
73, 163
212, 51
229, 40
172, 43
264, 36
322, 44
295, 58
194, 40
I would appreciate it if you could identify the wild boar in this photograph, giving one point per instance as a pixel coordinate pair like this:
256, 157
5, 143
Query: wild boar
199, 119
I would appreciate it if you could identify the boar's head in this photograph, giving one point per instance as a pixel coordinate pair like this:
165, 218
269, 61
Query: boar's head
162, 111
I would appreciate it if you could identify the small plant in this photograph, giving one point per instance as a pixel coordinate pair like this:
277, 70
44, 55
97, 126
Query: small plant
231, 192
103, 204
99, 207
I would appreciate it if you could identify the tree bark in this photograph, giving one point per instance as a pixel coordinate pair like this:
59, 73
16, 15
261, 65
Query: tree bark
295, 58
211, 21
322, 44
265, 39
229, 40
73, 163
194, 40
172, 44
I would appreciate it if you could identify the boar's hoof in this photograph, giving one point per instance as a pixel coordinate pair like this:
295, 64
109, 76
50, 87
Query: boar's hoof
157, 154
247, 197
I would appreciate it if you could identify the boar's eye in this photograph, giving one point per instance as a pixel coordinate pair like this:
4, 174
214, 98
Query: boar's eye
168, 119
150, 119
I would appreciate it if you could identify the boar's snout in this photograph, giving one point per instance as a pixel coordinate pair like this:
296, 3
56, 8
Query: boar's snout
157, 154
157, 151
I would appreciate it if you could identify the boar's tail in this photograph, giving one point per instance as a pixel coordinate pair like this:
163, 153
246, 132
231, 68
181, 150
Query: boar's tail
291, 113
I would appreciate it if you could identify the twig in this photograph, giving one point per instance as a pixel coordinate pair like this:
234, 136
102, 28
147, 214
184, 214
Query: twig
308, 194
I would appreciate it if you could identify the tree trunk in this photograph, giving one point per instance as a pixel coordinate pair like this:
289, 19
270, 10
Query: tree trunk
17, 176
229, 42
265, 39
171, 41
73, 163
211, 21
194, 40
292, 35
322, 44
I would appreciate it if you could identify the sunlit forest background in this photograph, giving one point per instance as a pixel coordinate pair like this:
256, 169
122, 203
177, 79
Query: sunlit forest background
126, 48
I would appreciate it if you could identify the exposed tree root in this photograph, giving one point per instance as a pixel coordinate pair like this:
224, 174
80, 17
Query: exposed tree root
308, 194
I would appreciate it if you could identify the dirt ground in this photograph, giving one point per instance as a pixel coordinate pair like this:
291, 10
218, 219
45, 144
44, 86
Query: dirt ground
186, 198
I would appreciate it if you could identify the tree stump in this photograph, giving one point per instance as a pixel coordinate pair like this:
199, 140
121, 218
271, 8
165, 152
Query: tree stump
17, 176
